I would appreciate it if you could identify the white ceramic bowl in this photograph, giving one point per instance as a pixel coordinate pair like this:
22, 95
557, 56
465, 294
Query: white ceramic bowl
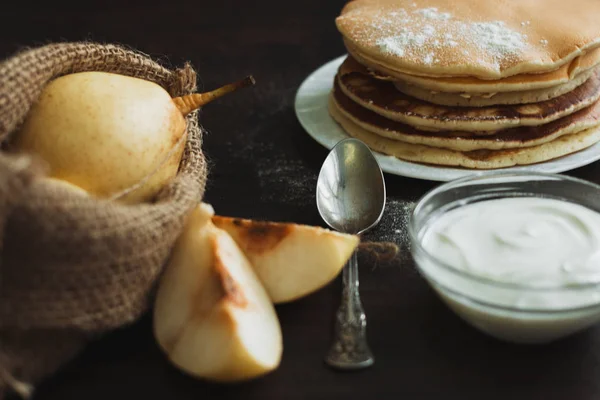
551, 312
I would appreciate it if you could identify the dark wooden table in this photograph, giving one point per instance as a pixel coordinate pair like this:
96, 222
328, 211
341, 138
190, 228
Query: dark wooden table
263, 165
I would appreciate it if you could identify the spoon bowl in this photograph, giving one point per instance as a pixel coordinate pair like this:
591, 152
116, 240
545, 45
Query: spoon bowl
350, 189
351, 199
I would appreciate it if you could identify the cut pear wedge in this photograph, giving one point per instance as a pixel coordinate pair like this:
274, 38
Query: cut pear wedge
291, 260
212, 316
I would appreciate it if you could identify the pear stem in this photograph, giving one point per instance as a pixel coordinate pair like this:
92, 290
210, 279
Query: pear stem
188, 103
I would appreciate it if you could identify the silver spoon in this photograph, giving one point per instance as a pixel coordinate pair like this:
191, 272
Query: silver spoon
351, 199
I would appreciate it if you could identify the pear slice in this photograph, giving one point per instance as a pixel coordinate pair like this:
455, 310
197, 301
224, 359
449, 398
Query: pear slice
291, 260
212, 316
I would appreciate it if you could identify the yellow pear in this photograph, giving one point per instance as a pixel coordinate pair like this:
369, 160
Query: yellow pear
212, 317
291, 260
111, 135
105, 132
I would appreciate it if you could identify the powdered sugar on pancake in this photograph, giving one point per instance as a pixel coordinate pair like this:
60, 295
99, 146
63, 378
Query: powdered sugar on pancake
432, 13
427, 32
470, 38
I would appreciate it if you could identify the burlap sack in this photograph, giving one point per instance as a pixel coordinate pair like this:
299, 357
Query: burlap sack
72, 267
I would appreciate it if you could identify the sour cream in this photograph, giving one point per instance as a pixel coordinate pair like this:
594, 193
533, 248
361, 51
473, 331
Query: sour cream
522, 269
529, 241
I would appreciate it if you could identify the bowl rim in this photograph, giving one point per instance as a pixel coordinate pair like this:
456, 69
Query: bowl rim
535, 176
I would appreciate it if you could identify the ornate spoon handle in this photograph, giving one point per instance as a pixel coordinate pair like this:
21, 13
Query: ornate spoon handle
350, 349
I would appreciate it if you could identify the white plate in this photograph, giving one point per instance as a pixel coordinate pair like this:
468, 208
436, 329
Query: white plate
311, 110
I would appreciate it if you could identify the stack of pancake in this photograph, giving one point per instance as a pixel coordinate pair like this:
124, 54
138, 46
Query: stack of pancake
471, 83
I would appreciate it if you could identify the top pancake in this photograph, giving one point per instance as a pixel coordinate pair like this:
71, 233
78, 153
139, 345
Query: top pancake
474, 86
490, 39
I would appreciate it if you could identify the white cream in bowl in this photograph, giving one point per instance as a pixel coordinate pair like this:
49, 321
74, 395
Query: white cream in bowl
523, 269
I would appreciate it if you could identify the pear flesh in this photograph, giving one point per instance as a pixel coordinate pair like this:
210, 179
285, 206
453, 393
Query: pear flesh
212, 316
106, 133
291, 260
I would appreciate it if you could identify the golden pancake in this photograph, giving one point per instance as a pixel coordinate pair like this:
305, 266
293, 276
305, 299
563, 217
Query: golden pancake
478, 159
474, 86
483, 39
466, 141
383, 98
490, 99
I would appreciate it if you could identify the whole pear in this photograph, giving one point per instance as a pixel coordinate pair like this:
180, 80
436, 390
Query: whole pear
105, 133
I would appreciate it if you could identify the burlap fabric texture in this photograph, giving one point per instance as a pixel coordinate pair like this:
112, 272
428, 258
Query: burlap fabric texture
74, 267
